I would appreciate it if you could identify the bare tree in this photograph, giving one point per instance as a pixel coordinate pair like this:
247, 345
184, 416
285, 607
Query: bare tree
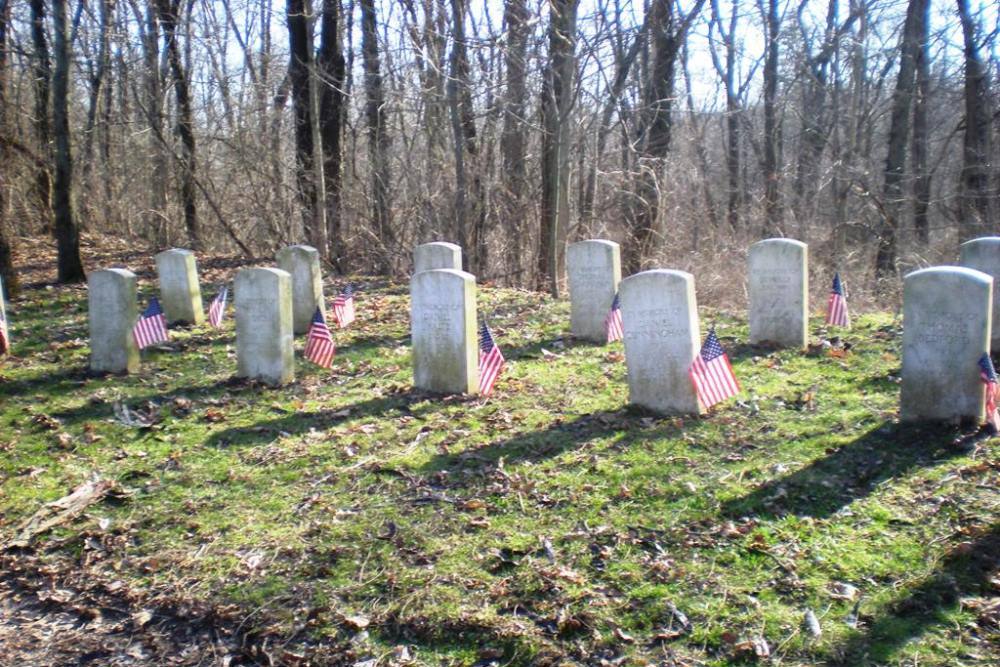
378, 136
7, 273
557, 99
42, 77
331, 67
773, 205
977, 199
67, 235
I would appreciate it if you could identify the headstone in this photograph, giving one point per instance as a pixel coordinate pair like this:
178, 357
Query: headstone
660, 317
301, 262
180, 293
984, 255
779, 293
264, 325
946, 330
443, 331
437, 255
595, 269
113, 313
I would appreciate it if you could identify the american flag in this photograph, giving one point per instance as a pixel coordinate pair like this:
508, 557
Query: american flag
989, 376
490, 361
711, 373
836, 305
319, 342
4, 333
343, 306
151, 328
613, 322
217, 310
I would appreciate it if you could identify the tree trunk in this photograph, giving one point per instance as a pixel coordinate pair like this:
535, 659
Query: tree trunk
977, 200
169, 14
557, 98
667, 35
43, 79
514, 139
98, 85
921, 101
899, 127
774, 211
734, 191
7, 274
67, 235
378, 137
331, 68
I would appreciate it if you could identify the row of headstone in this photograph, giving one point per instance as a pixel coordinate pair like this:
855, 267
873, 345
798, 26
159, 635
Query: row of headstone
778, 277
272, 304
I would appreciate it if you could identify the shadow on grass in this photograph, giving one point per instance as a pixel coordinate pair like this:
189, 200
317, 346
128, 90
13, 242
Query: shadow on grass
49, 384
558, 437
965, 570
296, 423
849, 473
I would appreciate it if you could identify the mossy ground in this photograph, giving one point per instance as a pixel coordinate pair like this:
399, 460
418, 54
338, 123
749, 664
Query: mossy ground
548, 524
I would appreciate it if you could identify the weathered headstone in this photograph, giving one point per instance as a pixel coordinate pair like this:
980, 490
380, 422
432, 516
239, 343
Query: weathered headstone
437, 255
113, 313
947, 313
443, 331
264, 325
983, 254
301, 262
779, 292
595, 269
180, 293
660, 316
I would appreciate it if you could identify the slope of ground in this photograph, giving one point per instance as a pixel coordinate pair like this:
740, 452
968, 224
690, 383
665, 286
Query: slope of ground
347, 519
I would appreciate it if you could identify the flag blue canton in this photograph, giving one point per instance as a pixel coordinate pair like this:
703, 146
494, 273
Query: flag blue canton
349, 290
485, 339
986, 365
153, 309
838, 288
615, 303
711, 348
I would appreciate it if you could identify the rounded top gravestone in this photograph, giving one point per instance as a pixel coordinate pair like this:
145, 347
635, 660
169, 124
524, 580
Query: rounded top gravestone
264, 335
301, 262
660, 319
113, 312
437, 255
443, 331
594, 268
983, 254
778, 273
180, 292
946, 330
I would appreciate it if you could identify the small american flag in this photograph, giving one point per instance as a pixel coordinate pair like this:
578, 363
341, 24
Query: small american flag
836, 305
711, 373
613, 322
490, 361
151, 328
319, 342
989, 376
217, 310
343, 306
4, 333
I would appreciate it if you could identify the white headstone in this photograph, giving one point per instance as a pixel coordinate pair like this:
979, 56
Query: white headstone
264, 325
779, 292
301, 262
437, 255
984, 255
947, 312
443, 331
113, 313
595, 269
180, 293
660, 318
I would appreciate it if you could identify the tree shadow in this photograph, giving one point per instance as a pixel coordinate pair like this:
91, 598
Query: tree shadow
849, 473
965, 570
48, 383
296, 423
560, 436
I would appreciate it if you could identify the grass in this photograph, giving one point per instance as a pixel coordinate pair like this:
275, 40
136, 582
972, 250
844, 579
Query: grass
548, 525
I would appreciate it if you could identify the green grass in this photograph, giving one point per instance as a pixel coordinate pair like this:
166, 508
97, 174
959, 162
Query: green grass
347, 494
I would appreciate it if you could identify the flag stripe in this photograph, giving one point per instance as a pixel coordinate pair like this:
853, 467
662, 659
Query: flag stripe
319, 342
217, 311
491, 361
151, 328
712, 374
